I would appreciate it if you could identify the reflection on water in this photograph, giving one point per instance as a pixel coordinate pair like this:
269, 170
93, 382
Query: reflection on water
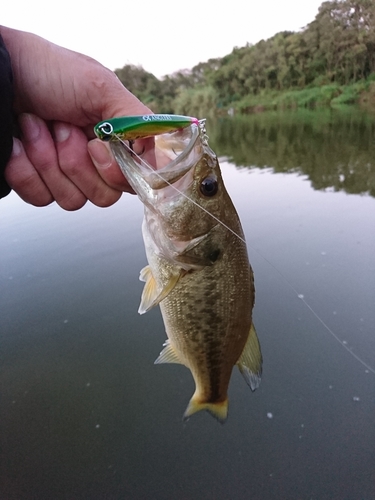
85, 414
334, 149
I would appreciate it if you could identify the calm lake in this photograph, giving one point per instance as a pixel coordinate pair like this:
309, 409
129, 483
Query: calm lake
85, 414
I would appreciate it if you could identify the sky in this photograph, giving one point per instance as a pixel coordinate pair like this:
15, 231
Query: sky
162, 36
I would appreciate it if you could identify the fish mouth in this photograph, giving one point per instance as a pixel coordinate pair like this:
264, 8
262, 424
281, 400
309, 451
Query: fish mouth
164, 159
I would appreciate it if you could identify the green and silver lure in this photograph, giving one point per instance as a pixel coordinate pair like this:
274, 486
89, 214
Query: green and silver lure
169, 146
131, 128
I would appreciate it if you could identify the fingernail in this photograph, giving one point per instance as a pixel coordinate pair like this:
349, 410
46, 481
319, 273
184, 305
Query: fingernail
62, 131
99, 154
17, 147
30, 127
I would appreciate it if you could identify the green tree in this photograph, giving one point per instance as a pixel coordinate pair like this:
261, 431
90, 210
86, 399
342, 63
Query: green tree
337, 48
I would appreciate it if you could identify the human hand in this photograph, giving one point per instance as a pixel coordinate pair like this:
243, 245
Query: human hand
59, 96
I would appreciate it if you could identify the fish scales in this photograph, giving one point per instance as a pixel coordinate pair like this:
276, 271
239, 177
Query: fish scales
201, 319
198, 269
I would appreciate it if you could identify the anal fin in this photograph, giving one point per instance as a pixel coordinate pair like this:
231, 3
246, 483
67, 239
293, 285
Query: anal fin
250, 361
168, 355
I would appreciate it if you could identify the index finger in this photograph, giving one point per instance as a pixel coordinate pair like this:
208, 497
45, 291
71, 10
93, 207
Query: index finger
106, 166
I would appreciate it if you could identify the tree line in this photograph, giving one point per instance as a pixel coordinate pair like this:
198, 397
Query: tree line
334, 149
336, 49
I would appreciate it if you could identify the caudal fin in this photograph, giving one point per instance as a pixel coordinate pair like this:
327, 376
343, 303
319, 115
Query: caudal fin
219, 410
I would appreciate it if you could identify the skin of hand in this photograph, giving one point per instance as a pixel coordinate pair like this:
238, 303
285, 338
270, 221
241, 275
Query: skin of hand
59, 96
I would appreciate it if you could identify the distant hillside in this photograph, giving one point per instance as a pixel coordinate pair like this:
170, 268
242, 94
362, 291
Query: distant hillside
335, 54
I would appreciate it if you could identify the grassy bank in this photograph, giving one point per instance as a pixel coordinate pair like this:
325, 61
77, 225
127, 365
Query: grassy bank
362, 92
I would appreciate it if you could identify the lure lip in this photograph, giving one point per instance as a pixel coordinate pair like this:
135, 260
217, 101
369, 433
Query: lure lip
141, 126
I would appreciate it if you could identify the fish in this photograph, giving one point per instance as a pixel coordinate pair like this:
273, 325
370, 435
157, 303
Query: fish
198, 269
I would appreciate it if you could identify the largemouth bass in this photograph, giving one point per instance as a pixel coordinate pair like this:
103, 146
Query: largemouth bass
198, 270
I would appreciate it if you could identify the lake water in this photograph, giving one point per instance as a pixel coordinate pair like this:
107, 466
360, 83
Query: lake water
85, 414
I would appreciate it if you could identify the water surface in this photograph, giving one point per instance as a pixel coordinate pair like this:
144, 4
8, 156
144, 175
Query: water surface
85, 414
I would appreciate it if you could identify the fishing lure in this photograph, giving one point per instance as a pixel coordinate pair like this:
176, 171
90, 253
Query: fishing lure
139, 127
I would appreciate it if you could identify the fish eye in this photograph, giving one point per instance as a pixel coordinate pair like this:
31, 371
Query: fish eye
209, 186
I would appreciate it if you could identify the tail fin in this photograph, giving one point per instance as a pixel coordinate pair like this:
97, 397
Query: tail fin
219, 410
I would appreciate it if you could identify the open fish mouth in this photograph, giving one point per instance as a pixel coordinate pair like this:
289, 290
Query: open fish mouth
163, 160
155, 158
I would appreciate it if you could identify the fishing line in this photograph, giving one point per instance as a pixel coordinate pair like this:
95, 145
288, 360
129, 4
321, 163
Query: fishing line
299, 295
178, 191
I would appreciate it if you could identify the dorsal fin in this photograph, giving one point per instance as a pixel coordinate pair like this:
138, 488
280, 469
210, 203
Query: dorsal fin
250, 361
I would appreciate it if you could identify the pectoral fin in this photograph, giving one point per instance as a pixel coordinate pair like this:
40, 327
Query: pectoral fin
199, 252
151, 295
250, 361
